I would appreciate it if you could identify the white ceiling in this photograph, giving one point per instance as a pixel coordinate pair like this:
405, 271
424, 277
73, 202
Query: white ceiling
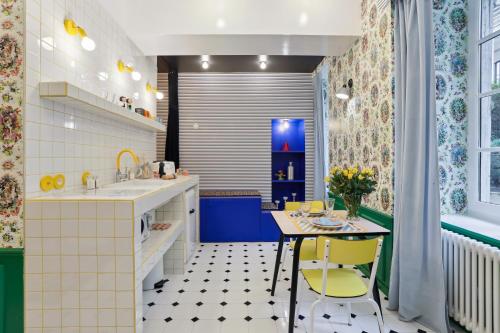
226, 27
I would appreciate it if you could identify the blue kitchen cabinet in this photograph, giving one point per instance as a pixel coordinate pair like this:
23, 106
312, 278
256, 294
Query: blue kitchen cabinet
230, 219
269, 231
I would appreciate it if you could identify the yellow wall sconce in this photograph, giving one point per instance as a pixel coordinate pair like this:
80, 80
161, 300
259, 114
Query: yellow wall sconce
151, 89
74, 29
127, 68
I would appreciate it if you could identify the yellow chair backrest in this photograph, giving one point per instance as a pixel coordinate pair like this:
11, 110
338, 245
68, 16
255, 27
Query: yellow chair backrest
348, 252
292, 205
295, 205
316, 205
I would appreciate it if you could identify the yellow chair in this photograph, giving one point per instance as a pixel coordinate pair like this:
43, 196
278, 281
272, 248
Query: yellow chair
308, 248
344, 285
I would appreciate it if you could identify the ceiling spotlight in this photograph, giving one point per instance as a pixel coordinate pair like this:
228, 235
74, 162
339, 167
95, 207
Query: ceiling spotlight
263, 61
136, 76
136, 95
221, 23
303, 19
205, 61
344, 92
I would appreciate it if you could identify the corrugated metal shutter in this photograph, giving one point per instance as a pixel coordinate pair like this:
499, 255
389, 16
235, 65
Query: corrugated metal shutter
231, 149
162, 112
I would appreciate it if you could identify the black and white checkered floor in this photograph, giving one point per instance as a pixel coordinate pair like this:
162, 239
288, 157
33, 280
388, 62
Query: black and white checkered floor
226, 289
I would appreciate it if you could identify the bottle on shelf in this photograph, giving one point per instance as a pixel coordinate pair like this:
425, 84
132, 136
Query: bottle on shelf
290, 171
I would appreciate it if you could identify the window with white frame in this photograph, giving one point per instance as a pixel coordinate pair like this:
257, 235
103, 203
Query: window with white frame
484, 120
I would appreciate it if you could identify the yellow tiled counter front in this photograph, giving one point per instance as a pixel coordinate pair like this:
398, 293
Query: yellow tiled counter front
83, 263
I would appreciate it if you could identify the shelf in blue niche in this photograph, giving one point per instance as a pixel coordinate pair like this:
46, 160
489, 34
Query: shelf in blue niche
288, 145
289, 152
288, 181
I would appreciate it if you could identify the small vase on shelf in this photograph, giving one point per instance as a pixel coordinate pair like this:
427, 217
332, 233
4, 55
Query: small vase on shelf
285, 147
290, 171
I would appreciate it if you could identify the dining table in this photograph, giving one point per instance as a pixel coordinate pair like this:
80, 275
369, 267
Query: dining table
293, 226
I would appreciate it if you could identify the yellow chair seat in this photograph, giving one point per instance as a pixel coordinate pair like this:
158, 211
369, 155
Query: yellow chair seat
307, 249
342, 282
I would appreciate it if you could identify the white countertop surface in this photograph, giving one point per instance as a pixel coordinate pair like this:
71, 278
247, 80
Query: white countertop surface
129, 190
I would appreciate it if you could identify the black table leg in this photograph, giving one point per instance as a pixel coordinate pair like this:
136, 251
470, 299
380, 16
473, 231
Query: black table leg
376, 294
277, 264
295, 278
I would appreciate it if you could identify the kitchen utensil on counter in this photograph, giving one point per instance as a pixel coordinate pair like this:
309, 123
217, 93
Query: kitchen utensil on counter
164, 169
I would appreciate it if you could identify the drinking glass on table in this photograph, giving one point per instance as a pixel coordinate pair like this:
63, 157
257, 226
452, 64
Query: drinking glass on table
306, 209
330, 206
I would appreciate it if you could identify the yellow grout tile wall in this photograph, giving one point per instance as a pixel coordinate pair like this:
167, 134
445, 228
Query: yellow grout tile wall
79, 267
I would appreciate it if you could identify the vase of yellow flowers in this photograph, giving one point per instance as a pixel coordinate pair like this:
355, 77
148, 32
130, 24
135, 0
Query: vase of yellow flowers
351, 184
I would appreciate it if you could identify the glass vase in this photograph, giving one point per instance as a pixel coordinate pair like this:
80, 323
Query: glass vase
352, 204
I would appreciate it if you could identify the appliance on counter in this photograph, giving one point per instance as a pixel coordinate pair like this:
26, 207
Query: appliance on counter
147, 221
164, 168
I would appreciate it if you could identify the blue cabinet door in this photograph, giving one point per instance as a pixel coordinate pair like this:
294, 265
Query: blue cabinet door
269, 231
230, 219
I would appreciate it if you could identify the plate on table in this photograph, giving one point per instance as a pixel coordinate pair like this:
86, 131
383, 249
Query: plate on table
327, 223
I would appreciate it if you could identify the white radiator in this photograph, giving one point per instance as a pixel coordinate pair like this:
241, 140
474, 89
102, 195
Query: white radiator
472, 271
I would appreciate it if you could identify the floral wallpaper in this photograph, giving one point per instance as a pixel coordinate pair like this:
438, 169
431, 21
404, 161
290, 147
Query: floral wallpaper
450, 34
11, 123
361, 129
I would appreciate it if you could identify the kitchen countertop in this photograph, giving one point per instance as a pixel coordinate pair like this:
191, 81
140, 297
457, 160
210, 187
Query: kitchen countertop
229, 193
128, 190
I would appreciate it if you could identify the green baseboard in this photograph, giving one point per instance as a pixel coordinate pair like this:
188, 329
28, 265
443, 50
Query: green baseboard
11, 290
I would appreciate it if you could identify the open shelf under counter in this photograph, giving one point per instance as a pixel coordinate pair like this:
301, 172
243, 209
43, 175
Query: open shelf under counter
157, 244
68, 94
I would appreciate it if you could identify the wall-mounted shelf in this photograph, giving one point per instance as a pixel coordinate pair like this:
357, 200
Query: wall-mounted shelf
68, 94
288, 181
289, 152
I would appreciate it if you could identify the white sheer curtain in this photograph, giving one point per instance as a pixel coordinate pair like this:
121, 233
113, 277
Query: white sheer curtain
417, 288
320, 132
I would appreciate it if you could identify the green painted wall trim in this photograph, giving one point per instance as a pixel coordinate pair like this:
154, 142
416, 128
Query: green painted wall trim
11, 290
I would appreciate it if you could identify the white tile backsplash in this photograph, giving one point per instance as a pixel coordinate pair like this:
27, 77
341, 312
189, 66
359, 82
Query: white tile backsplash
63, 139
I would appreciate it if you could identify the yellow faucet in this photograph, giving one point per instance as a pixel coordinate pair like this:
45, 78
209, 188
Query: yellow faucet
119, 176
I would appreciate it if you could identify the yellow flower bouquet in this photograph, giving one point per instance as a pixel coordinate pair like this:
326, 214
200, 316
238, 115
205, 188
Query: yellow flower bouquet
351, 184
